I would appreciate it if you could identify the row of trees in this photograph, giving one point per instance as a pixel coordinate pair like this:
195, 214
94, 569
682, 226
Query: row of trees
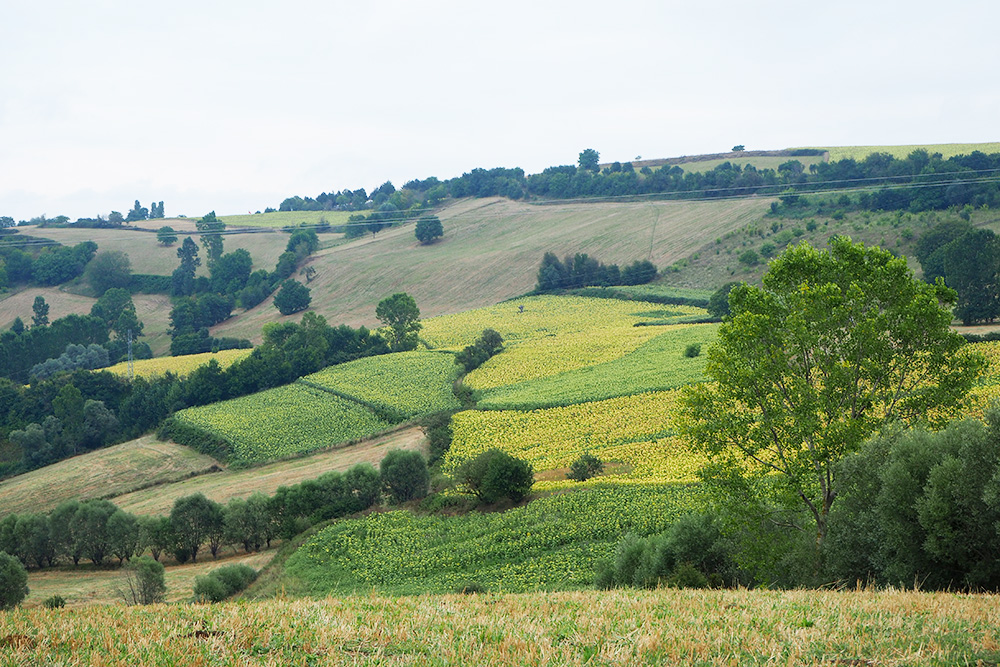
203, 302
581, 270
99, 531
940, 183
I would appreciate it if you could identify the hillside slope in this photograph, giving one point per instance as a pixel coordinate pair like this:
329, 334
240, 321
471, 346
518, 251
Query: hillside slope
491, 251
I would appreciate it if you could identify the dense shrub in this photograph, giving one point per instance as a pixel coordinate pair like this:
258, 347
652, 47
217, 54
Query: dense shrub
585, 467
54, 602
223, 582
404, 475
486, 346
921, 506
495, 474
691, 553
143, 582
13, 581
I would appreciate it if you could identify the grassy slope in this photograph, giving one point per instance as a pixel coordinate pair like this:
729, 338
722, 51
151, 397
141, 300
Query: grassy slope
145, 476
760, 162
106, 472
280, 219
662, 627
148, 256
267, 478
491, 251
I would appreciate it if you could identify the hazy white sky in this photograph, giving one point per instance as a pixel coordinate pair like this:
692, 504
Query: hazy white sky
234, 106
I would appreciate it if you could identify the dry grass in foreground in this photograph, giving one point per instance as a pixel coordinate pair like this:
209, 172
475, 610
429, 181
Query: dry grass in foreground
667, 627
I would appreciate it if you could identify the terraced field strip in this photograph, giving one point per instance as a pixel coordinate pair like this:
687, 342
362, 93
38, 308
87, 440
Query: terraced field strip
111, 471
182, 365
279, 219
658, 364
404, 384
283, 421
543, 316
230, 483
708, 628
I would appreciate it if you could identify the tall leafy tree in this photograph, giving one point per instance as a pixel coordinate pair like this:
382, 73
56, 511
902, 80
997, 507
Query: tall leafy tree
211, 229
834, 345
589, 159
400, 314
182, 280
41, 312
138, 212
972, 268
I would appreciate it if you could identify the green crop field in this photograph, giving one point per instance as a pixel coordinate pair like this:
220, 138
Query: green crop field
552, 543
404, 385
946, 150
708, 628
280, 422
102, 473
658, 364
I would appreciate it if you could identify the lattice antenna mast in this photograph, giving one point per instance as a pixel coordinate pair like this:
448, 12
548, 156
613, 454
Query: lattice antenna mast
131, 367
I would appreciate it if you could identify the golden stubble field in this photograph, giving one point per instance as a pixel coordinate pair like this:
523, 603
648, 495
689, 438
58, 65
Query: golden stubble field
661, 627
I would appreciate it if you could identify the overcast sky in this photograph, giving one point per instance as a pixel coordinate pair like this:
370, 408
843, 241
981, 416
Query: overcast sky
234, 106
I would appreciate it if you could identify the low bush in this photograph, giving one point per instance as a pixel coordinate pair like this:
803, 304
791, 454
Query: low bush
223, 582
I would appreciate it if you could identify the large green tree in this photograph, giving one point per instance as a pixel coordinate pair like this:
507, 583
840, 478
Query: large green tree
399, 312
833, 346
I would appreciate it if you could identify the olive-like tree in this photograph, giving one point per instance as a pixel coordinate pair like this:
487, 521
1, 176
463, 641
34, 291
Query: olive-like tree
428, 229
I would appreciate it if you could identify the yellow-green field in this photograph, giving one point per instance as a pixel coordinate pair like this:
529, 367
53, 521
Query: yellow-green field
182, 365
662, 627
540, 317
946, 150
633, 430
102, 473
